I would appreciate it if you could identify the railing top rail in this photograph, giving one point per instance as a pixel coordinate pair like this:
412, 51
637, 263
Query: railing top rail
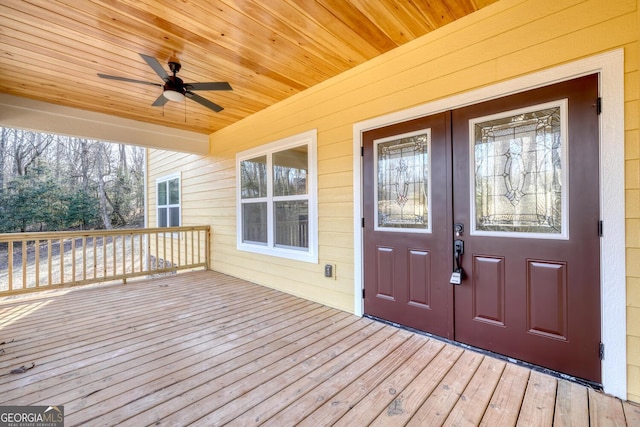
8, 237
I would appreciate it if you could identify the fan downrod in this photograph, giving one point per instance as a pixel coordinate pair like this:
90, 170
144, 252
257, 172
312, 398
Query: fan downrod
174, 65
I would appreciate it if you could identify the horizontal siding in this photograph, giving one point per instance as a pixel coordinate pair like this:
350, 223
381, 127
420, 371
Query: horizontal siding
508, 39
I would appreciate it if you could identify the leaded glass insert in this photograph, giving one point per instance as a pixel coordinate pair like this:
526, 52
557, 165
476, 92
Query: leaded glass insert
403, 182
519, 172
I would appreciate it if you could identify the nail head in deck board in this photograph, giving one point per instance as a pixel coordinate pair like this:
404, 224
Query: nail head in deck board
539, 401
439, 404
572, 405
475, 398
605, 410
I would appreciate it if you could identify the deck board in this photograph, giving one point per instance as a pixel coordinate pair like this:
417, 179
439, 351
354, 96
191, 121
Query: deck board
572, 405
207, 349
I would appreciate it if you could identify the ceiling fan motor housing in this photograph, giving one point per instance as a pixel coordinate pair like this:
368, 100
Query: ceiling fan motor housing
175, 84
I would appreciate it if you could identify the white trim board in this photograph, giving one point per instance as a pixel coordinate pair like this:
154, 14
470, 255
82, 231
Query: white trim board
610, 66
23, 113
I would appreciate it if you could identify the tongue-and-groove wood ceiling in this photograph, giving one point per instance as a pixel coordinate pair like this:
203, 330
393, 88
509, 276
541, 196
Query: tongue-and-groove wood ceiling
268, 50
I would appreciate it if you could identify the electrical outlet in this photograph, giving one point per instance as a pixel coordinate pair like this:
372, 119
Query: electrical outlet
330, 270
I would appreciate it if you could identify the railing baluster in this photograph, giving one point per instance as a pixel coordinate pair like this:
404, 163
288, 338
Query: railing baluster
73, 260
95, 257
199, 243
49, 261
61, 245
133, 252
24, 264
10, 261
124, 253
157, 252
104, 256
173, 261
37, 262
114, 242
141, 237
179, 248
84, 257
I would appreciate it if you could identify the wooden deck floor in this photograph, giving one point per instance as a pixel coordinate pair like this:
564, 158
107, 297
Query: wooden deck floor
208, 349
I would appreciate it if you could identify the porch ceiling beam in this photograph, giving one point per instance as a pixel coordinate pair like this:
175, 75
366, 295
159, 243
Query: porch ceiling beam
24, 113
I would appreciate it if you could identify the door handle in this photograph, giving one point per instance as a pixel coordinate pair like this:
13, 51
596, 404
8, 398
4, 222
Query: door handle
458, 272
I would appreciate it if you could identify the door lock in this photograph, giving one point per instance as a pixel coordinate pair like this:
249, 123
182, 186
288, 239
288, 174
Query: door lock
458, 272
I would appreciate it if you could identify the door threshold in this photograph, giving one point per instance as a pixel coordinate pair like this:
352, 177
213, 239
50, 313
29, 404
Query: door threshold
499, 356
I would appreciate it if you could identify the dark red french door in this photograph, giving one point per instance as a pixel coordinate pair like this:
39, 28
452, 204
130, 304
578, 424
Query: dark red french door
515, 182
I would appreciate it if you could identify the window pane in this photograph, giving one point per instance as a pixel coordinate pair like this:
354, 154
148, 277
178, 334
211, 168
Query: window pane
254, 222
292, 223
290, 169
403, 182
519, 173
174, 217
254, 177
162, 217
162, 193
174, 191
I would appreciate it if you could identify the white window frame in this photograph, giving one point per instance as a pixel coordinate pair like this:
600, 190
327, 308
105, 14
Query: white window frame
310, 139
165, 179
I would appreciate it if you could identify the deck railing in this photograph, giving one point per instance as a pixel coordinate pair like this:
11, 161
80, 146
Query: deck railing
38, 261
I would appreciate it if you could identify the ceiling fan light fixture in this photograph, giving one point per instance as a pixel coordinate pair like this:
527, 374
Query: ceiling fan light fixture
172, 95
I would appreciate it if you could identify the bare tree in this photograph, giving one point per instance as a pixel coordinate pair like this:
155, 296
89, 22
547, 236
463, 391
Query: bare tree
95, 182
103, 170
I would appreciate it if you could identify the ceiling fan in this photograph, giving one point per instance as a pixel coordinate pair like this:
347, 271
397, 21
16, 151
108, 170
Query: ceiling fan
174, 89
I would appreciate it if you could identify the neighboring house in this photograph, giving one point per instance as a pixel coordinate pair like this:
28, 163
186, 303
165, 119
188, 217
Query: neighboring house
366, 176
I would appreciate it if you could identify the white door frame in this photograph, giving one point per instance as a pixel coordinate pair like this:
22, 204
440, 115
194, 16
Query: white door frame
610, 66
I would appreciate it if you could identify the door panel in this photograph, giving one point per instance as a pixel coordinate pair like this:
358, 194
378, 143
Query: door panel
489, 289
407, 250
520, 175
536, 213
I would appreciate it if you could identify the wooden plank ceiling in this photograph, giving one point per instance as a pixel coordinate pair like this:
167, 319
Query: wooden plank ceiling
53, 50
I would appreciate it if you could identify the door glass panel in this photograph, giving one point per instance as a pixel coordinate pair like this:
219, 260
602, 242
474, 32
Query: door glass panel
402, 182
519, 172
